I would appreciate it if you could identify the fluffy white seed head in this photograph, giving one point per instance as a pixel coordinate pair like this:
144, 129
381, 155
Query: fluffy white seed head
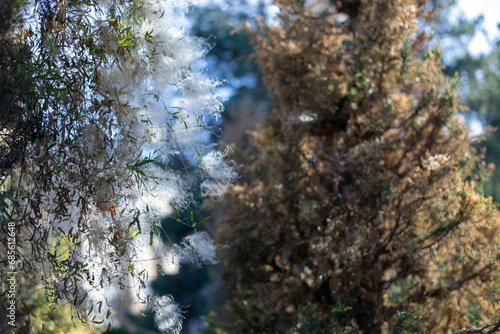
159, 98
198, 249
168, 317
219, 175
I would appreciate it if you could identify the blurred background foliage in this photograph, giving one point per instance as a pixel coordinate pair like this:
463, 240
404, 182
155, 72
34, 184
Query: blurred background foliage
247, 105
480, 79
480, 87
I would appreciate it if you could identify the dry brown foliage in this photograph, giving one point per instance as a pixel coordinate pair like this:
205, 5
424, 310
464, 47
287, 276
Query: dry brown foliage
365, 213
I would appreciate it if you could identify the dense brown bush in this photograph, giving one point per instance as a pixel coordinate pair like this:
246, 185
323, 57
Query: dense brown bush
365, 213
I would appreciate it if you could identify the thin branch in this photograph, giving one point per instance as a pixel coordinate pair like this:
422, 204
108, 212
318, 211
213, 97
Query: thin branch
495, 329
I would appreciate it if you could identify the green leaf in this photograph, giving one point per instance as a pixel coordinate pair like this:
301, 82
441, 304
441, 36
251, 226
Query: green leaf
124, 22
122, 42
144, 162
204, 220
56, 90
85, 296
138, 171
136, 220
